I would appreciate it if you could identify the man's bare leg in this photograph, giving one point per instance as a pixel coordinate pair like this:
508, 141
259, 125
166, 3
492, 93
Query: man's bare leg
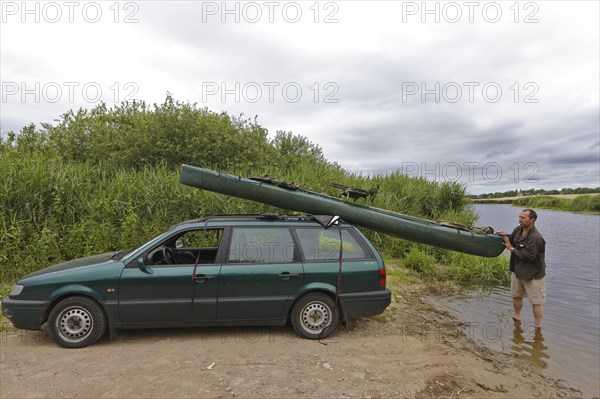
517, 306
538, 312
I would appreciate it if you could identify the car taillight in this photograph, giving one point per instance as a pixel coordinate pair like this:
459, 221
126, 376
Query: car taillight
382, 276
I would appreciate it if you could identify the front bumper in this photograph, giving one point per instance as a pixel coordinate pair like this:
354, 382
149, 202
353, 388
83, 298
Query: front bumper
25, 314
361, 304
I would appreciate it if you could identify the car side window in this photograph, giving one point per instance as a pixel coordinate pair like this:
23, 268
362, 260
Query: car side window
324, 245
202, 244
205, 238
261, 245
189, 247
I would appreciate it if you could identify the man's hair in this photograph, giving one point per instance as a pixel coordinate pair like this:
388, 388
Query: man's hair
532, 213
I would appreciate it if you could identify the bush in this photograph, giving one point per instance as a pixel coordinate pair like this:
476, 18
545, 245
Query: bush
476, 270
586, 203
420, 261
105, 179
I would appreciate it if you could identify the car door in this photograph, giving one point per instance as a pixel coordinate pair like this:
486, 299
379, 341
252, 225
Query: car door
153, 294
261, 271
156, 289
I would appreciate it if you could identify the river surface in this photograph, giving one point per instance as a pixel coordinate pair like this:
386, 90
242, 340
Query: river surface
568, 346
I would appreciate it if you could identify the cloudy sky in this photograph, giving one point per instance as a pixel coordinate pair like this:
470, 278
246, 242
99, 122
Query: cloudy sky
498, 95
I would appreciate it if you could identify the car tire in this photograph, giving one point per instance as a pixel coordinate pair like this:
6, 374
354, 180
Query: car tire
315, 316
76, 322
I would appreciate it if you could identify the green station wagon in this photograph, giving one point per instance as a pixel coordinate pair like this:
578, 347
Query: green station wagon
217, 271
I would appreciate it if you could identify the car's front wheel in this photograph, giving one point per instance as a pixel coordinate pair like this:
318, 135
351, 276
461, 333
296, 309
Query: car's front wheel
315, 316
76, 322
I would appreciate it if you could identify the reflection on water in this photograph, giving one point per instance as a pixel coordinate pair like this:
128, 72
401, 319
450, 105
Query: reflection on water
529, 344
569, 348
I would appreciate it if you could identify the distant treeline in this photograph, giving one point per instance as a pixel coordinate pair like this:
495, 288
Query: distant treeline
583, 203
540, 191
105, 179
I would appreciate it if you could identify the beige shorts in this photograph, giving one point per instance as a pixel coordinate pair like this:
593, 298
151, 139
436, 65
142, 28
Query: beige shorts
535, 290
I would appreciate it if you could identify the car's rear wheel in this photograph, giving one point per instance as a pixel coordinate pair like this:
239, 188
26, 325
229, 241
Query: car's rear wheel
315, 316
76, 322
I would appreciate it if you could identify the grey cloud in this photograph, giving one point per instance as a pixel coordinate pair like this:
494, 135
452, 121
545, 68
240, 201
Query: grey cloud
373, 128
576, 159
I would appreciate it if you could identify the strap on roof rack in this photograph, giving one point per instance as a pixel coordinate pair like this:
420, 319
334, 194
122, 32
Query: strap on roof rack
279, 183
272, 216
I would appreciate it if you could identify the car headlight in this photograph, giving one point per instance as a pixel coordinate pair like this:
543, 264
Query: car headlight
16, 290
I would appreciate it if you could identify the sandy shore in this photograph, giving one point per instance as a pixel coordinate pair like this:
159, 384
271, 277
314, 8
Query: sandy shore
411, 351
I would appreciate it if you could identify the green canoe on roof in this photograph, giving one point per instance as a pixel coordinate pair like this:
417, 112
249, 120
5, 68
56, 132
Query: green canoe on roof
396, 224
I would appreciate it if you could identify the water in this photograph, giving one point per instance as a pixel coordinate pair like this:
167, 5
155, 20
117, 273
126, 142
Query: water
568, 347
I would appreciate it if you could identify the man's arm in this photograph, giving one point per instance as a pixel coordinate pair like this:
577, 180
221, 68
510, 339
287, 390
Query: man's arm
508, 239
530, 252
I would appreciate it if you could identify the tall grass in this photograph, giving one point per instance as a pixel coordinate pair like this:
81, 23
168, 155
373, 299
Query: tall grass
582, 203
108, 179
53, 210
586, 203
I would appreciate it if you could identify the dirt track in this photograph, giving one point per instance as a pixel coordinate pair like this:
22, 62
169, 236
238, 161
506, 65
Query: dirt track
406, 352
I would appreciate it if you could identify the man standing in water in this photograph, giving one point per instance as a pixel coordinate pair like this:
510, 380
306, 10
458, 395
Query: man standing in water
527, 263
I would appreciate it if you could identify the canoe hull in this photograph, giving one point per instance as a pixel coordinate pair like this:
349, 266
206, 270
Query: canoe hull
396, 224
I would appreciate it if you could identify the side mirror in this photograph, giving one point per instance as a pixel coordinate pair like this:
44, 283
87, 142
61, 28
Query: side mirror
179, 243
142, 266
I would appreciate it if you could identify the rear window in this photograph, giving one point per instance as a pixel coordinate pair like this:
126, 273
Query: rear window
324, 245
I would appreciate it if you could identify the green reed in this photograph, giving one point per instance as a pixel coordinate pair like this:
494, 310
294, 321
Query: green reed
108, 179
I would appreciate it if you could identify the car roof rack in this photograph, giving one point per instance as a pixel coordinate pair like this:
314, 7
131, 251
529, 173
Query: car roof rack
257, 216
262, 216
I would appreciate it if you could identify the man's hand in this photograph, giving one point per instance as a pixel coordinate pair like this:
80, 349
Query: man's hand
501, 233
507, 243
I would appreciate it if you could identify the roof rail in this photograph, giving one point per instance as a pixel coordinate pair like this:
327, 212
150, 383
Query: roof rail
260, 216
257, 216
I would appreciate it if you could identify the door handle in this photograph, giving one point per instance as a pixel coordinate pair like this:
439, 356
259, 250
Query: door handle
287, 275
200, 278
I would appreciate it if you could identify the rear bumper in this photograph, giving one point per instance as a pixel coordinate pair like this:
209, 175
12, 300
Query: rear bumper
25, 314
361, 304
